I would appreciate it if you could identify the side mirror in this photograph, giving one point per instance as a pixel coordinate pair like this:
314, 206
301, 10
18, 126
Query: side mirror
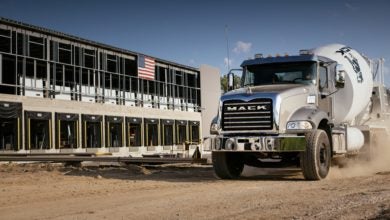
214, 127
340, 76
230, 77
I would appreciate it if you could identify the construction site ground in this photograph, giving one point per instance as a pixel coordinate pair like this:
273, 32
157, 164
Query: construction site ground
118, 191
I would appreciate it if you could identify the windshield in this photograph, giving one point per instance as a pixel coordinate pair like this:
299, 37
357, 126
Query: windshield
280, 73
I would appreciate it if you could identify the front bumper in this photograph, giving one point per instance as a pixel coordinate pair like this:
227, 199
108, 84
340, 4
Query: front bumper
260, 144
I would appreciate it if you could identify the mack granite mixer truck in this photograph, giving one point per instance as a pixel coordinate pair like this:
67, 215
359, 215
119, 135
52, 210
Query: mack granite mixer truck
305, 110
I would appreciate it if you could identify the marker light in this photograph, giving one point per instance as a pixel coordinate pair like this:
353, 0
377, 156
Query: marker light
258, 55
304, 52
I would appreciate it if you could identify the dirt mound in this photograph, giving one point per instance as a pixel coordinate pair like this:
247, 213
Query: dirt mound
30, 167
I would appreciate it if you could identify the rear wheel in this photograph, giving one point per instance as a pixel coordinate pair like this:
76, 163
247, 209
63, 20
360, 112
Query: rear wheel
315, 161
227, 165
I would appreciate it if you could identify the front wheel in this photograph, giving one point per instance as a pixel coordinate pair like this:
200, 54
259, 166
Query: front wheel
227, 165
315, 161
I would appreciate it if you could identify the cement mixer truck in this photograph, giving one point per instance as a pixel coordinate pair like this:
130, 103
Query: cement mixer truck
306, 110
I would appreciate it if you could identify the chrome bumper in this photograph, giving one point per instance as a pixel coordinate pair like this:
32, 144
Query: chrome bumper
260, 144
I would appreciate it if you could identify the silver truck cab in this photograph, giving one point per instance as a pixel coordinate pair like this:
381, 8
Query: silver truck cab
282, 101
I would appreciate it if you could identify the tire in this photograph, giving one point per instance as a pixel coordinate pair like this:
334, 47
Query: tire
227, 165
315, 161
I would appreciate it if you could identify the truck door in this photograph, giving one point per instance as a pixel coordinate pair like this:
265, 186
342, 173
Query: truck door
324, 100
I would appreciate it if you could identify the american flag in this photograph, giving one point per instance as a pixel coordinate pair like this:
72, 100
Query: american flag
146, 67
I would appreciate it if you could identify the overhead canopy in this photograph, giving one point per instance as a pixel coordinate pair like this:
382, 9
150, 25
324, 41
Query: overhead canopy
194, 123
92, 118
67, 117
10, 109
181, 122
114, 119
151, 120
38, 115
134, 120
167, 121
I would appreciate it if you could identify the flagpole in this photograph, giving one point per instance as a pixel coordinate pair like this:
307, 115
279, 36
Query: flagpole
227, 46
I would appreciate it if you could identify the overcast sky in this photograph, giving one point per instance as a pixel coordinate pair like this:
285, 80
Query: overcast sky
193, 32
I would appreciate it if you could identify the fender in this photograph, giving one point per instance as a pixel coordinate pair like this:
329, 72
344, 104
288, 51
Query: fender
309, 113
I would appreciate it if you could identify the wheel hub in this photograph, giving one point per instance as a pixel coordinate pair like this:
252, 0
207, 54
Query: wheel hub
323, 156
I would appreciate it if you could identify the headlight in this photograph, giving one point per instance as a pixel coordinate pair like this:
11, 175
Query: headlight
299, 125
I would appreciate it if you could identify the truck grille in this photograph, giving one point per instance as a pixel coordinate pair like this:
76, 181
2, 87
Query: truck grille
253, 115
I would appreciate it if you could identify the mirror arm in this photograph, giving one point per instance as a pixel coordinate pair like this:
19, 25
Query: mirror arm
324, 95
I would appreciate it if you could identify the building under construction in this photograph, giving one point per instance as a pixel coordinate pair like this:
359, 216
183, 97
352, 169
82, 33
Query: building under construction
63, 94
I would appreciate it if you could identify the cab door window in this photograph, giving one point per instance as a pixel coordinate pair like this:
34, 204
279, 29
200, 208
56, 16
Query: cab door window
323, 78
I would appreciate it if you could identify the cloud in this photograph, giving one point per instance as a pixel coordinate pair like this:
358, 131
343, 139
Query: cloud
192, 62
242, 47
227, 61
351, 7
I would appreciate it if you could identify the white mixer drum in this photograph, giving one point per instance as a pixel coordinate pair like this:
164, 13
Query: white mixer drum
355, 96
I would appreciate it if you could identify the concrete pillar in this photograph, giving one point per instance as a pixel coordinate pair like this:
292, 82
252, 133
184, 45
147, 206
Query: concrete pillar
210, 94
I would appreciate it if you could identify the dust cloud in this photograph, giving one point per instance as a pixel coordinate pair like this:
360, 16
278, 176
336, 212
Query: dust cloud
363, 164
377, 163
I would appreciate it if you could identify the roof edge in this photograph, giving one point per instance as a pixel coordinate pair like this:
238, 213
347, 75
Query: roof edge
43, 30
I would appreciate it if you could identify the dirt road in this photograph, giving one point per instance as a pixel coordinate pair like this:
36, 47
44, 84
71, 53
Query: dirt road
42, 191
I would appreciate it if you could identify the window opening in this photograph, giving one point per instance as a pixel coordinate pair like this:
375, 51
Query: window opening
92, 131
151, 132
38, 130
194, 127
114, 131
67, 130
181, 132
134, 135
167, 132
